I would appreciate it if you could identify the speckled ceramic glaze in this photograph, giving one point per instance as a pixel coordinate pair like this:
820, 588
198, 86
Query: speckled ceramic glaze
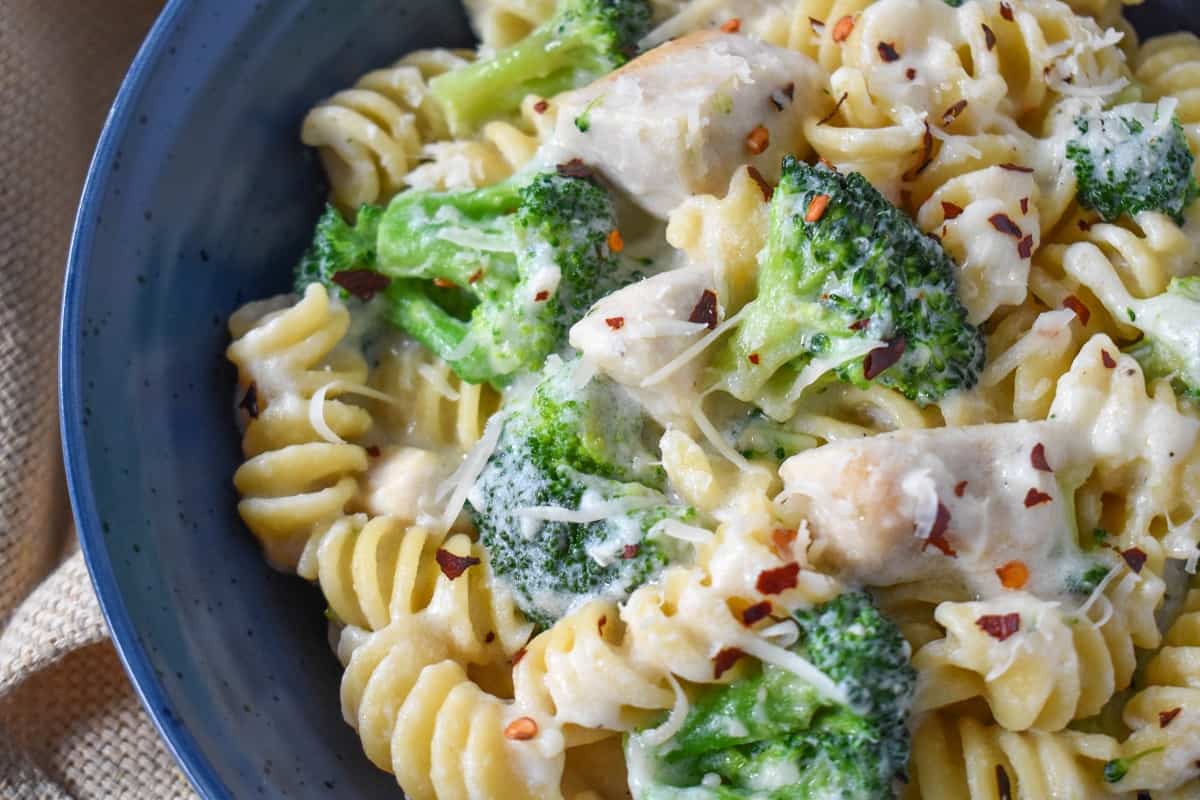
201, 197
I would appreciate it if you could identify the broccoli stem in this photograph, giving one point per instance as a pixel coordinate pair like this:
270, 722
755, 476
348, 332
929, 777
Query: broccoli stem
411, 309
540, 64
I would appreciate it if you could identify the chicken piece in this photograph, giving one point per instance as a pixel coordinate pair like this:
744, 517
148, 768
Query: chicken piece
680, 119
402, 481
633, 333
953, 503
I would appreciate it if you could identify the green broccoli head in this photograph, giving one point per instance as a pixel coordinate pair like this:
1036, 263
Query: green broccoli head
849, 284
568, 502
584, 40
1133, 158
1170, 345
490, 279
773, 736
338, 246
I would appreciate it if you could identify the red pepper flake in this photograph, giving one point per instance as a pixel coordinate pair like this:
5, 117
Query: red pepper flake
989, 36
541, 296
600, 623
926, 156
881, 358
1011, 167
782, 539
1084, 225
843, 28
860, 324
1024, 205
517, 656
1108, 360
476, 276
453, 565
825, 162
705, 310
249, 402
373, 451
816, 208
629, 551
1025, 247
443, 283
754, 358
818, 27
951, 210
836, 108
1004, 224
999, 626
1003, 784
490, 637
1036, 498
953, 112
1038, 458
362, 283
1006, 11
780, 579
616, 242
616, 323
1165, 718
724, 661
768, 191
960, 488
731, 25
541, 107
758, 140
1013, 575
754, 613
1081, 311
887, 52
937, 534
782, 98
521, 729
911, 73
575, 168
1135, 557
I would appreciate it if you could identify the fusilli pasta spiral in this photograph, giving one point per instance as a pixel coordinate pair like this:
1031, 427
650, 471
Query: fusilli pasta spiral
370, 136
295, 482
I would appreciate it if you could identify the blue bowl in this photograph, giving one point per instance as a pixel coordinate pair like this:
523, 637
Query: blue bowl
199, 198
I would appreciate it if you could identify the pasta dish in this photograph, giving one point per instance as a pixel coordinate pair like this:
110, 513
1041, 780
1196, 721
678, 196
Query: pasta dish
764, 399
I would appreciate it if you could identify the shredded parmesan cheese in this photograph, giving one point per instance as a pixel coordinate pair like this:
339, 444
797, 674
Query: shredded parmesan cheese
674, 722
677, 363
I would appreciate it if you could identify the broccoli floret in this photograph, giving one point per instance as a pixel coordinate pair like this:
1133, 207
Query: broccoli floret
1170, 345
773, 736
848, 283
567, 502
491, 279
584, 40
338, 246
1133, 158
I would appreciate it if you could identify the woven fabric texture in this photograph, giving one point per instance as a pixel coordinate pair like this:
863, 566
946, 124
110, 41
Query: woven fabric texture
70, 725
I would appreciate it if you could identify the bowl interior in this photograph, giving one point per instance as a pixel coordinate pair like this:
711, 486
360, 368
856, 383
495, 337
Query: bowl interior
200, 197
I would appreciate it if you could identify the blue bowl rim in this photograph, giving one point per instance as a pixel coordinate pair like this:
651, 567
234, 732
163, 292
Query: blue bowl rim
75, 452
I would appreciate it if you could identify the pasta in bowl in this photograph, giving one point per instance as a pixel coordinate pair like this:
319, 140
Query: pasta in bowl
751, 400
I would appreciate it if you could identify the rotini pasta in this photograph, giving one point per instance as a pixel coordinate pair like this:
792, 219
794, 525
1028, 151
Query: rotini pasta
370, 136
961, 758
783, 440
295, 483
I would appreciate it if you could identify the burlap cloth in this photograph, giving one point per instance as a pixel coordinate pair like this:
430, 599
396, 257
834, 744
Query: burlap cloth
70, 725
